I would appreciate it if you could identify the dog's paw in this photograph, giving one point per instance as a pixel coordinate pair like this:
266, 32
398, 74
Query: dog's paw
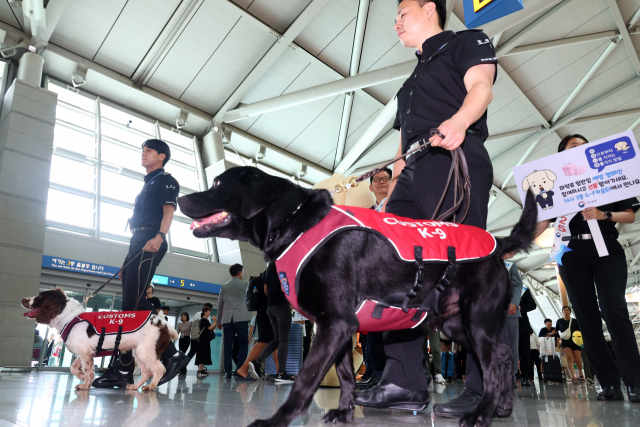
338, 415
83, 386
131, 387
475, 420
148, 388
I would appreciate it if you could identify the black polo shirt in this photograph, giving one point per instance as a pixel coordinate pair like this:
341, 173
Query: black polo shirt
435, 90
160, 189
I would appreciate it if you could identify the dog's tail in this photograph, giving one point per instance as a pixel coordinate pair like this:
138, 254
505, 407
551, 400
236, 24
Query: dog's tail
524, 231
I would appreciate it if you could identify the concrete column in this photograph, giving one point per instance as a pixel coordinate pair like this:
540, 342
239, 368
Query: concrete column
26, 145
229, 251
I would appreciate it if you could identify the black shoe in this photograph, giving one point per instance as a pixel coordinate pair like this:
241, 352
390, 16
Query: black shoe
633, 393
525, 382
284, 378
228, 375
388, 395
113, 378
173, 365
462, 405
610, 393
254, 369
371, 382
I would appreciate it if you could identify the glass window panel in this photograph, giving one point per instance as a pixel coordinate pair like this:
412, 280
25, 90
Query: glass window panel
113, 219
176, 138
72, 173
76, 117
123, 118
119, 187
75, 141
182, 157
70, 209
70, 97
122, 134
121, 156
182, 237
185, 177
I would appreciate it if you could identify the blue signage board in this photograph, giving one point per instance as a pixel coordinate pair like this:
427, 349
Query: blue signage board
479, 12
76, 266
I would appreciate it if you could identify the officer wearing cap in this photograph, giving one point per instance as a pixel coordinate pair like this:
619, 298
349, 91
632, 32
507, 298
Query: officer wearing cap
450, 90
153, 211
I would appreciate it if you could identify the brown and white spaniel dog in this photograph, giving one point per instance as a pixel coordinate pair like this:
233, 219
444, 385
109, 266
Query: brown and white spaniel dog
55, 309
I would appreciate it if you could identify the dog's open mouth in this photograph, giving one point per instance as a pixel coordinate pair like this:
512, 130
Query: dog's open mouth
31, 313
203, 225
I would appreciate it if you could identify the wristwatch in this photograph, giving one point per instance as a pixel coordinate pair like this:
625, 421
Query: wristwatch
164, 236
609, 216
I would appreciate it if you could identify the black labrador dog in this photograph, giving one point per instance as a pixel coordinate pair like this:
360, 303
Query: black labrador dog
247, 204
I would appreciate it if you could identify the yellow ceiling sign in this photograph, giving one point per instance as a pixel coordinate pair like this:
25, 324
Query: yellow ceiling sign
479, 4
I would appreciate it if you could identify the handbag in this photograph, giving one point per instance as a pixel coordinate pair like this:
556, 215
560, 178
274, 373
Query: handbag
576, 337
566, 334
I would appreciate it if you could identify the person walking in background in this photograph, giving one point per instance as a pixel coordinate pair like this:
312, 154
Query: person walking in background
514, 315
279, 313
535, 356
234, 317
204, 333
264, 331
566, 327
527, 304
184, 329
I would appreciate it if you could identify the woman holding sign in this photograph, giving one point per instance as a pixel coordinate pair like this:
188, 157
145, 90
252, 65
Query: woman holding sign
583, 272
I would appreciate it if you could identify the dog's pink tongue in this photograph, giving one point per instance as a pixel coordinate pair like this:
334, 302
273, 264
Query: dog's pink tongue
213, 218
31, 314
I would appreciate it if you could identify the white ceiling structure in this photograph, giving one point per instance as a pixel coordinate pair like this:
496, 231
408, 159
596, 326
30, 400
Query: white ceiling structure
566, 66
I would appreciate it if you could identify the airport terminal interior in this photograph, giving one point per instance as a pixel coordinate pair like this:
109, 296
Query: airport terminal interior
307, 91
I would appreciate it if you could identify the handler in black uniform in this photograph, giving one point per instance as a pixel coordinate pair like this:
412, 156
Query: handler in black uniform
152, 215
450, 89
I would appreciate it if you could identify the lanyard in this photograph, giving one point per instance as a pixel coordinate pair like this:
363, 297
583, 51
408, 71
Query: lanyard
141, 191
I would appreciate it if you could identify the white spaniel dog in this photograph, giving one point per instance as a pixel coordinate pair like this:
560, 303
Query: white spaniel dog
148, 335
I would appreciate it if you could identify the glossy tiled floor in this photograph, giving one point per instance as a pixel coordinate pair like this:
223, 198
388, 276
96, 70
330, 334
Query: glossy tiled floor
49, 399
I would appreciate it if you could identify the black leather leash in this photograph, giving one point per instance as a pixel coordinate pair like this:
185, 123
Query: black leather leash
459, 173
94, 293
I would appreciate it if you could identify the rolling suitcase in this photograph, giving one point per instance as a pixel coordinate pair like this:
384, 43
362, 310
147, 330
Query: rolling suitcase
448, 370
294, 359
551, 369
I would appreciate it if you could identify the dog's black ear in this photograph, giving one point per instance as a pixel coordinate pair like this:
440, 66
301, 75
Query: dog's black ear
261, 193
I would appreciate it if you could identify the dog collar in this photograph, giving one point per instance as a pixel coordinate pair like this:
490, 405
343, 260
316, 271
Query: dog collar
290, 217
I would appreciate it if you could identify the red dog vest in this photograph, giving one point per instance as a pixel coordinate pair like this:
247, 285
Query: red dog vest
109, 323
404, 234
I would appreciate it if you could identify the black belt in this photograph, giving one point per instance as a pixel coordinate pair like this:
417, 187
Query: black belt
584, 237
135, 230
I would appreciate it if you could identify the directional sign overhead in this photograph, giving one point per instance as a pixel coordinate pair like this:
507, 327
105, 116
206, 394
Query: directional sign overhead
479, 12
77, 266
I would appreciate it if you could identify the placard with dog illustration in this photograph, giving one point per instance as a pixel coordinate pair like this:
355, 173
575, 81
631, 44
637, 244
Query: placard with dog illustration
593, 174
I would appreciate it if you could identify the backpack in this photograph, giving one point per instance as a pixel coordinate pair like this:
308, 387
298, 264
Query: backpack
195, 330
253, 293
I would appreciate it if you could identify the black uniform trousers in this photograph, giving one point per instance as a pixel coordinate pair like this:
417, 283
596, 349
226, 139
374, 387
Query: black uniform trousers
416, 195
610, 276
524, 349
135, 279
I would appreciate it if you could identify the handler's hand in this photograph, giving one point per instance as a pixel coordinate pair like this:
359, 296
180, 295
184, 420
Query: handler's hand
120, 275
512, 309
153, 245
593, 213
454, 135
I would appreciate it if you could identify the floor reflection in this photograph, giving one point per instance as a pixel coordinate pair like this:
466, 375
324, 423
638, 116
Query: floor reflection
49, 399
